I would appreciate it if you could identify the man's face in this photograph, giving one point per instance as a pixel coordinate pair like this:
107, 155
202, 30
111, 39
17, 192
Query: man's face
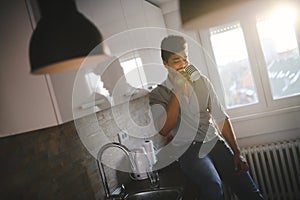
177, 61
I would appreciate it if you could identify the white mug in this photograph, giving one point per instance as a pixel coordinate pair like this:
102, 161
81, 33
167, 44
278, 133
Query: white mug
192, 71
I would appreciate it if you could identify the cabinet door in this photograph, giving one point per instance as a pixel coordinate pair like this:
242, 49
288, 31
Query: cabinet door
107, 16
134, 13
154, 70
62, 88
25, 100
114, 18
154, 16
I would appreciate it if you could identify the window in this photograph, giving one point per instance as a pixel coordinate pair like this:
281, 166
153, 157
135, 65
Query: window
257, 61
231, 56
281, 54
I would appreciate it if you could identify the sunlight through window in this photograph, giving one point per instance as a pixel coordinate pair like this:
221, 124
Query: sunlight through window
233, 65
279, 44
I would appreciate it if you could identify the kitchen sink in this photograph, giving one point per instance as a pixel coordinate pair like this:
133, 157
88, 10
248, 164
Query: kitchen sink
156, 194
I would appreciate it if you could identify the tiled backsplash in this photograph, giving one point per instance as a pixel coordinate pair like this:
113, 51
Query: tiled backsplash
133, 117
53, 163
50, 163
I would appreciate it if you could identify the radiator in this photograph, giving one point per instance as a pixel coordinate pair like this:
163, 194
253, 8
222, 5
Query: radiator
275, 168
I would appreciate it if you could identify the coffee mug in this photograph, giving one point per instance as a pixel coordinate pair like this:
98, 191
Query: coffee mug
193, 73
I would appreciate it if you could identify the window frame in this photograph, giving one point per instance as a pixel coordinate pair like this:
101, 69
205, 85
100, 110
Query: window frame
258, 67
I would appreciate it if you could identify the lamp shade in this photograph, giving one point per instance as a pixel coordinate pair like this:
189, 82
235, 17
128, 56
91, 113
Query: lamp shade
203, 14
63, 38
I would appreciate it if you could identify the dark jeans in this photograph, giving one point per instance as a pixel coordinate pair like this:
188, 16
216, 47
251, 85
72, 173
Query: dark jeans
217, 166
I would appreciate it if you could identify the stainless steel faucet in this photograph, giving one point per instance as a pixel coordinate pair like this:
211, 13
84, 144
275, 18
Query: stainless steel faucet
152, 175
101, 167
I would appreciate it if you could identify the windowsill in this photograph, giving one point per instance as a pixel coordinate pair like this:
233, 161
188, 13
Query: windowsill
266, 114
280, 122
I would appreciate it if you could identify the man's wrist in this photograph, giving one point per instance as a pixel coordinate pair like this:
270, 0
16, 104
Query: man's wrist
237, 152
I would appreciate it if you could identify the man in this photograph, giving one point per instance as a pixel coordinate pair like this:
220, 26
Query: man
191, 116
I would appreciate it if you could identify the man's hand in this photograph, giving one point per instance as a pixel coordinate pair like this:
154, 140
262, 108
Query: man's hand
240, 164
180, 80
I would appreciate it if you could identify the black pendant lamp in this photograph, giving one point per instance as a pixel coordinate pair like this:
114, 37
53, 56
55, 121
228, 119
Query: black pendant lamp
63, 38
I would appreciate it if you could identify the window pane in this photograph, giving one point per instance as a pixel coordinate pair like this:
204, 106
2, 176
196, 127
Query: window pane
233, 65
279, 45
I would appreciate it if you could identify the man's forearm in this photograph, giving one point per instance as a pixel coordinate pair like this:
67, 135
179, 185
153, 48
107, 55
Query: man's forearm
168, 120
228, 134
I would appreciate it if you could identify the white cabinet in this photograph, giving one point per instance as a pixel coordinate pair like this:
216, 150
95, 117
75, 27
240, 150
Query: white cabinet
147, 29
61, 91
25, 102
113, 18
155, 72
154, 16
30, 102
106, 15
134, 13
